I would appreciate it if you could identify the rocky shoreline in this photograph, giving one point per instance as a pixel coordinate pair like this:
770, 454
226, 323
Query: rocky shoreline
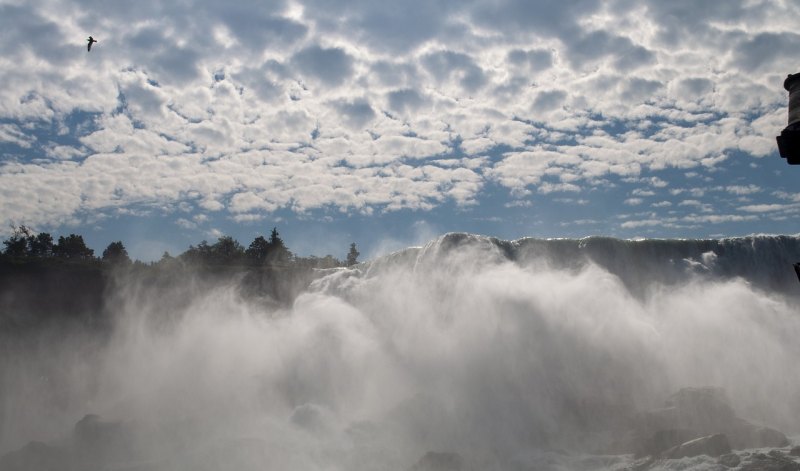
697, 429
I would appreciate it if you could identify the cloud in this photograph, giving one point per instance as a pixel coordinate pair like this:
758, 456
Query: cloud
405, 101
330, 66
764, 49
544, 18
642, 223
255, 29
13, 134
534, 59
592, 47
549, 100
765, 208
447, 66
638, 89
362, 106
44, 38
743, 189
692, 88
356, 113
402, 27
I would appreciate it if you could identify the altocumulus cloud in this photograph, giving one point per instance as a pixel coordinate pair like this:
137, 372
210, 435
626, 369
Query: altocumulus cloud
366, 106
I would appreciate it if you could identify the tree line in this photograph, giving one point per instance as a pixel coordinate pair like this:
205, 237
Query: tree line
226, 251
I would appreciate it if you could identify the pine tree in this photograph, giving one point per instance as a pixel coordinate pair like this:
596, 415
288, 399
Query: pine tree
352, 255
73, 247
278, 252
116, 253
17, 244
257, 251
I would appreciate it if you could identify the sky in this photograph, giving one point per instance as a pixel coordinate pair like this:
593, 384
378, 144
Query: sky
389, 123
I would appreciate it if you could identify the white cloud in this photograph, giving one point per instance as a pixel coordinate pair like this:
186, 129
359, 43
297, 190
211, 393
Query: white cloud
743, 189
255, 107
642, 223
765, 208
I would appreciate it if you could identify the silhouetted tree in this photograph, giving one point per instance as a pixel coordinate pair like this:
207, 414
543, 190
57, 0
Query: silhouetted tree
167, 261
73, 247
116, 253
226, 251
312, 261
199, 254
41, 245
257, 251
352, 255
277, 253
328, 261
17, 243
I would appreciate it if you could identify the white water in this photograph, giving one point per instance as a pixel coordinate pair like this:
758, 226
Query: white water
504, 353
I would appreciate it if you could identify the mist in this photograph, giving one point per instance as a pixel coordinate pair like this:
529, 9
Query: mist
499, 352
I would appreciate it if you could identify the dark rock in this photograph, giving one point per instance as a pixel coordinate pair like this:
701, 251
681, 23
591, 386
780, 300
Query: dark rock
436, 461
706, 410
770, 437
34, 456
643, 464
762, 462
92, 429
693, 413
100, 441
711, 445
663, 440
743, 434
731, 460
795, 451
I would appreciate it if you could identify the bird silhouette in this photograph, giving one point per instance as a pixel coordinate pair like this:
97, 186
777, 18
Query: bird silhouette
89, 46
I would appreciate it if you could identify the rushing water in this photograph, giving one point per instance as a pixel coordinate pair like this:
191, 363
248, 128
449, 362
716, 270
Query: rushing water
531, 354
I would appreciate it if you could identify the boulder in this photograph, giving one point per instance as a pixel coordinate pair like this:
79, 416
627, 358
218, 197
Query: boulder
711, 445
99, 440
743, 434
795, 451
762, 462
35, 455
662, 440
694, 413
731, 460
769, 437
705, 410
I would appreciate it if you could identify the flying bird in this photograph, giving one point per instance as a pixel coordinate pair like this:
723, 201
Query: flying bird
89, 46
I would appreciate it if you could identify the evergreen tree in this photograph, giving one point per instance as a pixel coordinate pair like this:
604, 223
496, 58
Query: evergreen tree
41, 245
116, 253
166, 261
278, 253
226, 251
258, 250
73, 247
17, 244
352, 255
199, 254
